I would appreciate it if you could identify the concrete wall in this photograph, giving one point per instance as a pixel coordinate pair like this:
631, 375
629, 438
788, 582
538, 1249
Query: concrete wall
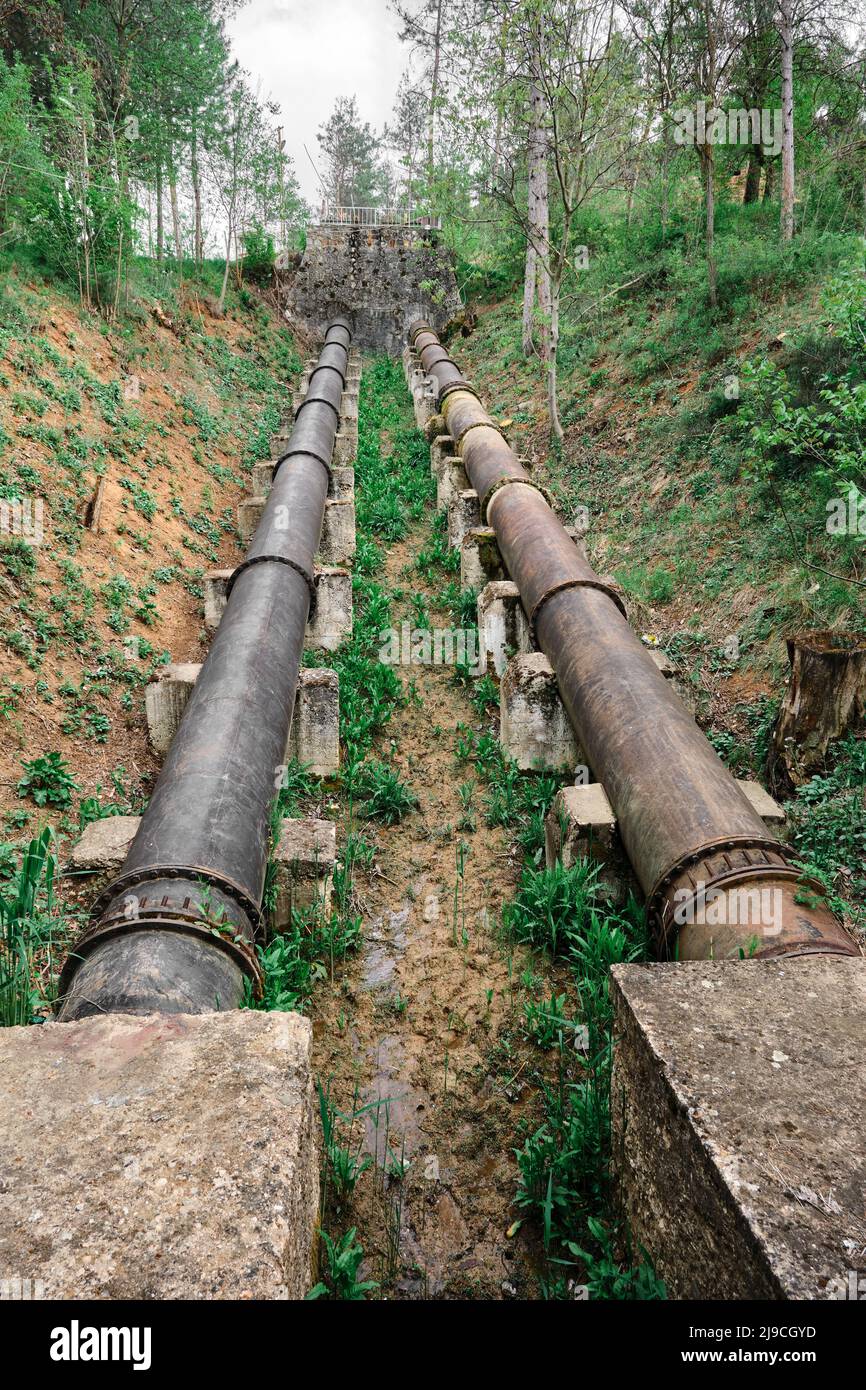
382, 277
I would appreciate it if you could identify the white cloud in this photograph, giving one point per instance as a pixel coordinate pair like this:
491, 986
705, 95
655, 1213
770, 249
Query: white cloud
306, 53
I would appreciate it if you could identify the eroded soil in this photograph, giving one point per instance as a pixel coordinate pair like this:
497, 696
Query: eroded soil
421, 1024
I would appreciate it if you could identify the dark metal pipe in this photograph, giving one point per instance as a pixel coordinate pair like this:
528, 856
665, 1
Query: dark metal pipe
718, 884
175, 931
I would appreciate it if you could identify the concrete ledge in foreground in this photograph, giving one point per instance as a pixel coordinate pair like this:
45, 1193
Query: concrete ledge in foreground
738, 1107
169, 1156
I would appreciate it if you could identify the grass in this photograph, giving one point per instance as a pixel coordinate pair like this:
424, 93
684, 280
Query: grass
564, 1163
27, 930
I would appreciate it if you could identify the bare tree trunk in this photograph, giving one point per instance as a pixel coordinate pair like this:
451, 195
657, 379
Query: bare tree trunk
709, 163
537, 241
497, 145
434, 92
786, 34
175, 221
552, 347
160, 236
221, 302
196, 194
528, 300
666, 175
770, 181
753, 176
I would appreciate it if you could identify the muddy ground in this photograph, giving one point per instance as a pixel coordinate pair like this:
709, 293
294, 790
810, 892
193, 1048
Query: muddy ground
422, 1024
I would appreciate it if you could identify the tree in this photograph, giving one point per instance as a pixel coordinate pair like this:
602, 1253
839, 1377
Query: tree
351, 152
425, 25
405, 134
786, 36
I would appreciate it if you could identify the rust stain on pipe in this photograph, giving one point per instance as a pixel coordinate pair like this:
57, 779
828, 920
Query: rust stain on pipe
718, 884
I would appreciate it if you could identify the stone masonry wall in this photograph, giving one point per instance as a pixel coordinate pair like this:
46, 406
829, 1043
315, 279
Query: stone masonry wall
382, 277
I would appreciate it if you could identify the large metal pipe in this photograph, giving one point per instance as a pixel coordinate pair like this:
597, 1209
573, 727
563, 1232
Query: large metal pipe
718, 884
175, 931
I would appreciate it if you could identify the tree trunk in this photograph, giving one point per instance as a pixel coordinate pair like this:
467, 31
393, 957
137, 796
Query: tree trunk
198, 250
826, 696
221, 303
528, 300
752, 189
709, 162
434, 95
770, 181
175, 222
786, 34
160, 236
552, 347
537, 245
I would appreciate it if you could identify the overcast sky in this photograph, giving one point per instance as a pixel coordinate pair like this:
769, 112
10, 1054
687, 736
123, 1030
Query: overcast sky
306, 53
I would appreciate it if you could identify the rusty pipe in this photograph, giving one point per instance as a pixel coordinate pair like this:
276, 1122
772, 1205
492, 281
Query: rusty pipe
175, 931
718, 883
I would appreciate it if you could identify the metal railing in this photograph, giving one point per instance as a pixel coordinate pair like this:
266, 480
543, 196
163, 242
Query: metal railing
330, 215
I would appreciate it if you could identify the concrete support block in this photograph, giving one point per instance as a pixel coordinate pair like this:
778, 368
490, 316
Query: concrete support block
160, 1157
441, 447
314, 738
216, 596
503, 628
739, 1122
331, 623
249, 516
411, 362
450, 481
425, 407
581, 825
533, 726
341, 485
345, 448
337, 543
767, 807
480, 559
332, 619
580, 819
98, 855
305, 855
261, 477
165, 701
464, 512
349, 405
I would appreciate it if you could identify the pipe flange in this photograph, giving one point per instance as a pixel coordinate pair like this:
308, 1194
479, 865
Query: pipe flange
451, 386
307, 453
327, 367
183, 924
154, 873
777, 867
317, 400
308, 578
476, 424
506, 482
574, 584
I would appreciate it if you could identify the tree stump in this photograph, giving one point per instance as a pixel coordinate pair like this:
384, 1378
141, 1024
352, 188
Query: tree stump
826, 697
